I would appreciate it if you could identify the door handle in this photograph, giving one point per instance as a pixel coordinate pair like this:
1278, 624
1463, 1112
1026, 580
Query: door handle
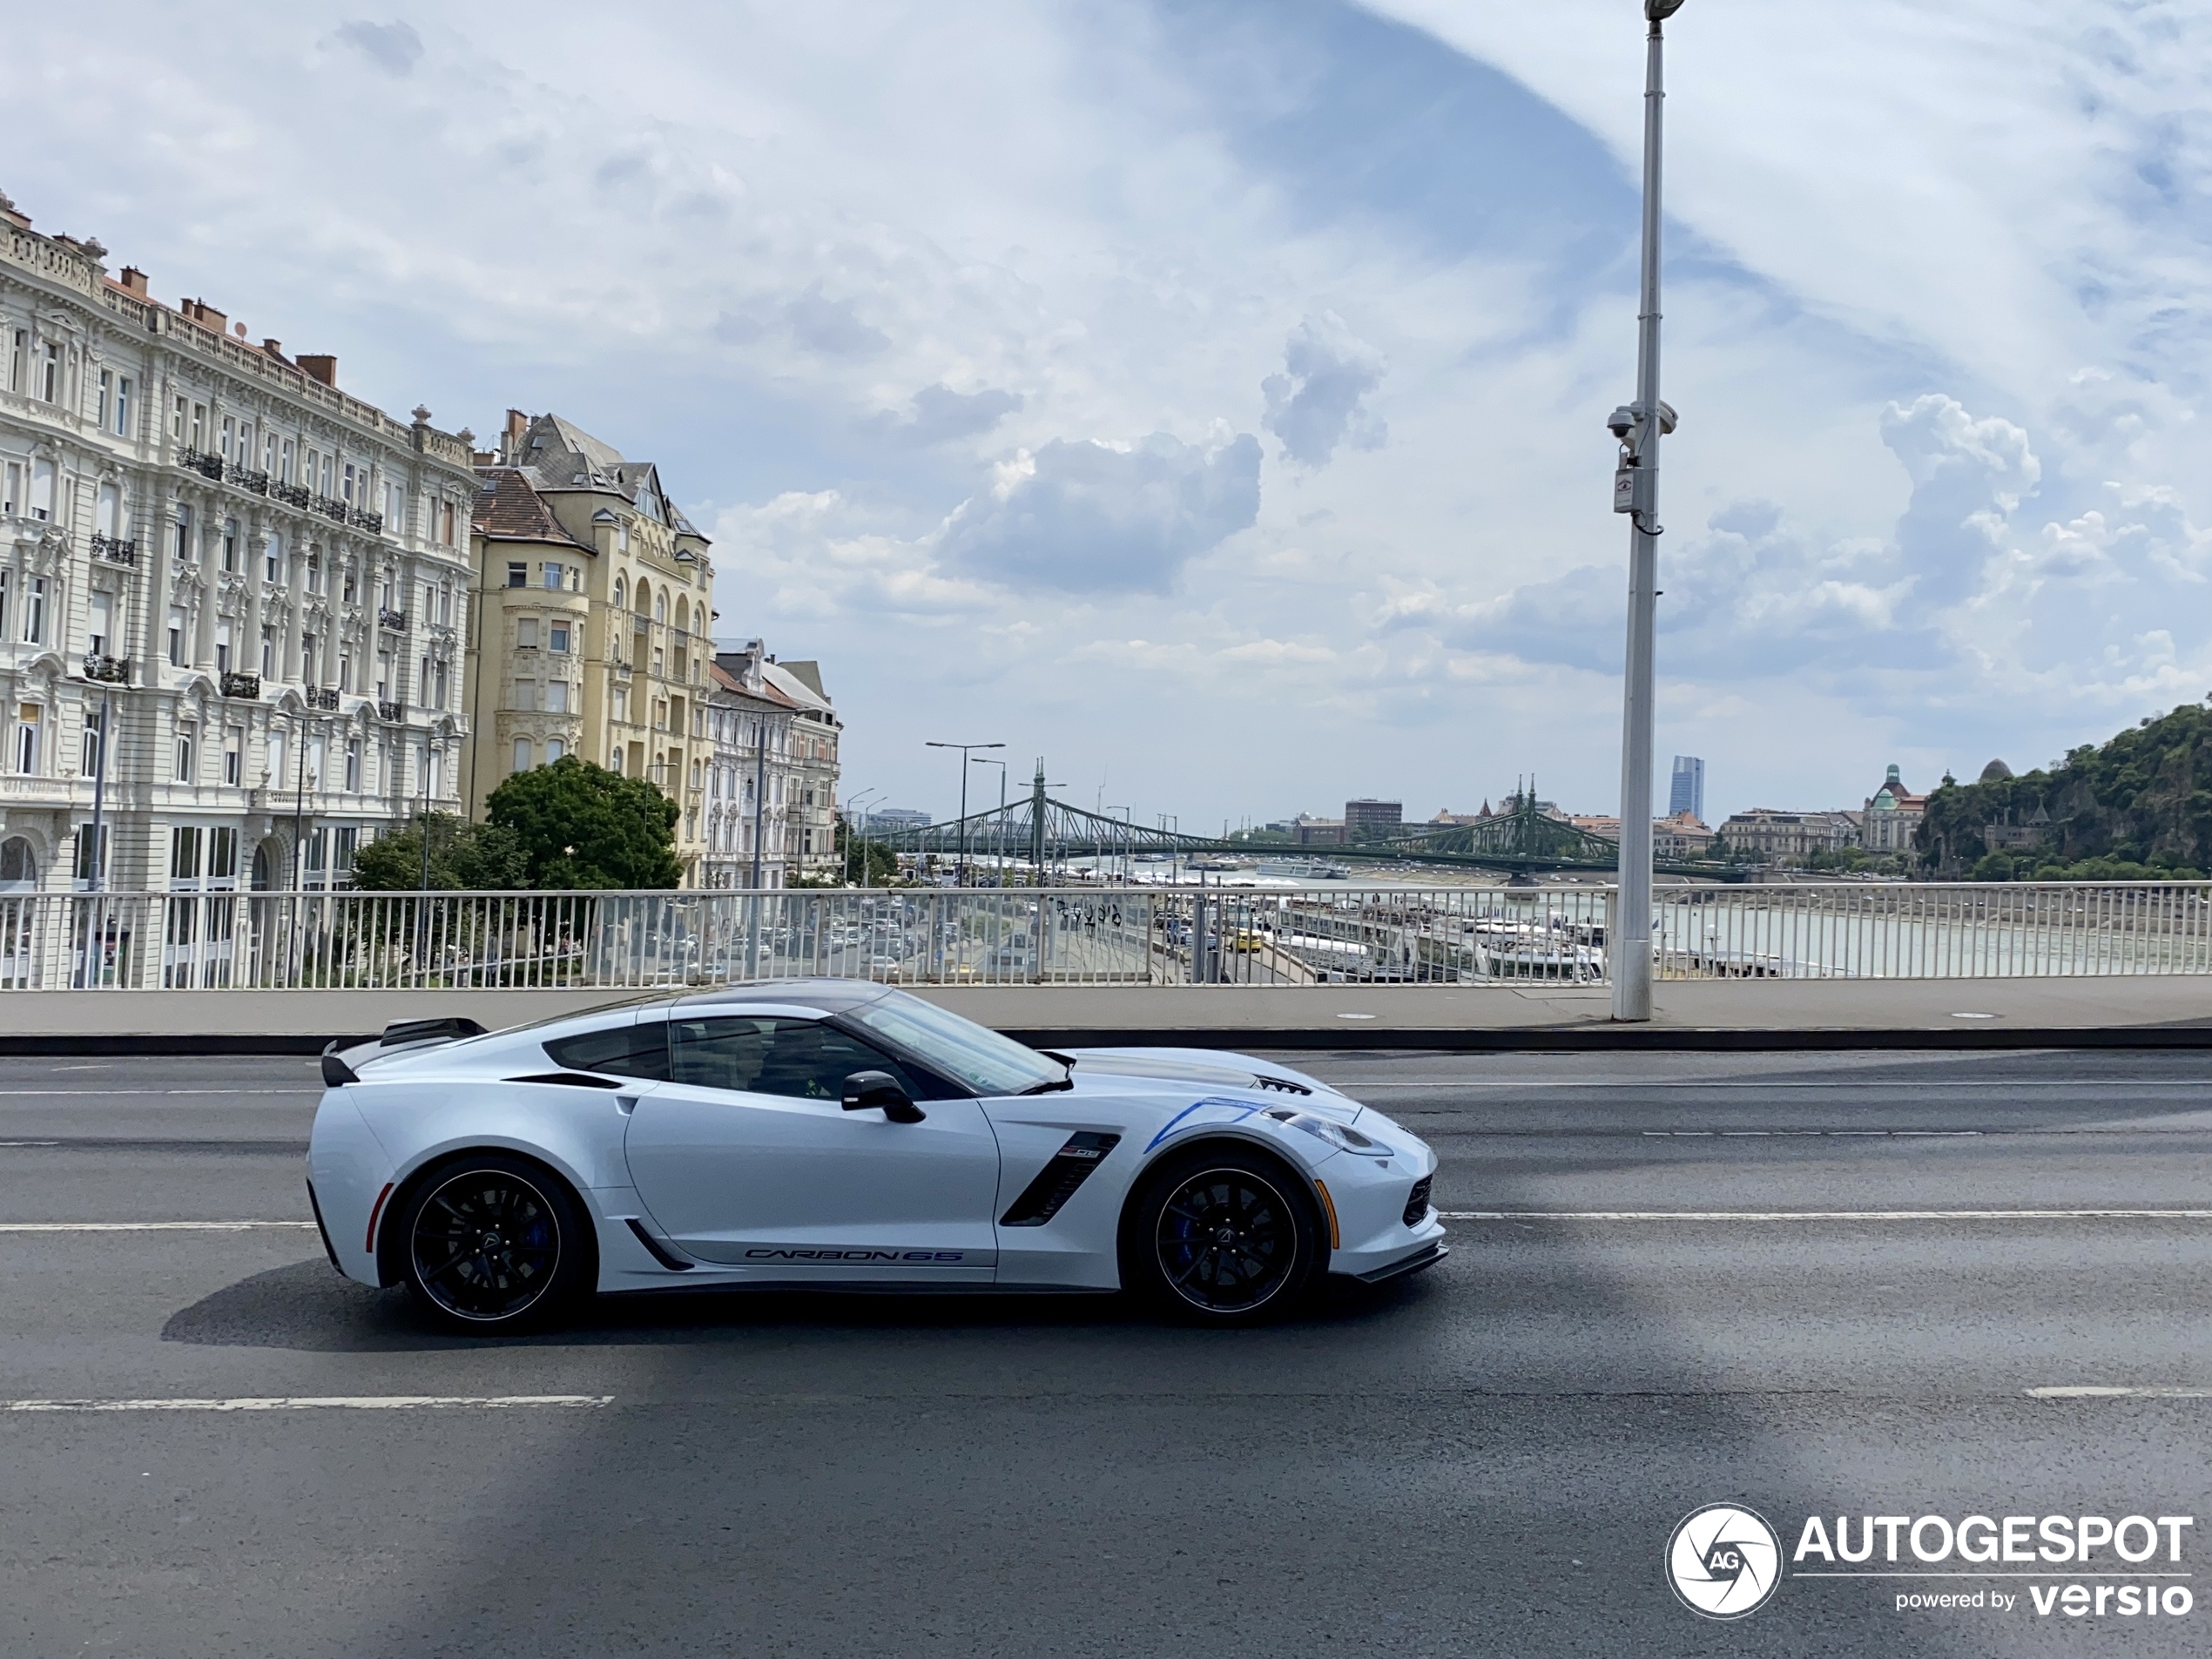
625, 1104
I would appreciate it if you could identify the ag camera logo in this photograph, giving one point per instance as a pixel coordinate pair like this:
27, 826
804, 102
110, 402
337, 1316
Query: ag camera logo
1723, 1561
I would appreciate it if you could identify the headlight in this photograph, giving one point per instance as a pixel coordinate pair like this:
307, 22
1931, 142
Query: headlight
1336, 1135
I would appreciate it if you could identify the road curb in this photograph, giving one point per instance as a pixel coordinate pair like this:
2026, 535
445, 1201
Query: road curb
1579, 1039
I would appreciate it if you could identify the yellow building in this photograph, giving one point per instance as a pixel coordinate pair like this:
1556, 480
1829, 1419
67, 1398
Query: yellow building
592, 630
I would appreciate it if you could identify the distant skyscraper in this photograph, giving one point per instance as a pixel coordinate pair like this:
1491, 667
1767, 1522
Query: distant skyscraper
1688, 794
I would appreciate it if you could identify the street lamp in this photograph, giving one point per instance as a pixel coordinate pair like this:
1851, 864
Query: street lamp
960, 870
859, 824
1639, 426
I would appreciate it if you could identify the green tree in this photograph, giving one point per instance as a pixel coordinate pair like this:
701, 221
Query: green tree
2139, 806
464, 858
580, 826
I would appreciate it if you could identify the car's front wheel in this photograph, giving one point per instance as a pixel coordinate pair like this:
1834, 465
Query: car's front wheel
493, 1244
1224, 1236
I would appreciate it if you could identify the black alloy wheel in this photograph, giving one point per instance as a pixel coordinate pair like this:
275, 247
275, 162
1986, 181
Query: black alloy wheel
1226, 1236
492, 1245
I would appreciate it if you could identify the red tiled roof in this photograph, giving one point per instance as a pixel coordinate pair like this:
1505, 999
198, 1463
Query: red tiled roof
507, 509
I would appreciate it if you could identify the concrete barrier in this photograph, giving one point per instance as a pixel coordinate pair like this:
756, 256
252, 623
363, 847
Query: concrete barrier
2145, 1010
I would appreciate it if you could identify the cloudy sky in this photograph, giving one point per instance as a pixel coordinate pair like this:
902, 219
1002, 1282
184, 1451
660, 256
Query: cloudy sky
1209, 397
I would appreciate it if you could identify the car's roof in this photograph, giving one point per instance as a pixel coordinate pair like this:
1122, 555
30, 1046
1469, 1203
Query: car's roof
830, 995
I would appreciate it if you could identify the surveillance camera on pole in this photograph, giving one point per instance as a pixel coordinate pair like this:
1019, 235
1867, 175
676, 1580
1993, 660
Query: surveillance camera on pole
1635, 492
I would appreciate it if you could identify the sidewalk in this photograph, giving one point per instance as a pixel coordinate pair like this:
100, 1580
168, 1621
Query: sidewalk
2161, 1011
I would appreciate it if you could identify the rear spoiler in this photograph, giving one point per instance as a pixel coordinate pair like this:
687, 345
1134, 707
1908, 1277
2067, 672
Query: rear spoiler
340, 1058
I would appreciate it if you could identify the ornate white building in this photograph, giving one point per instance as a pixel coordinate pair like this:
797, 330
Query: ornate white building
257, 581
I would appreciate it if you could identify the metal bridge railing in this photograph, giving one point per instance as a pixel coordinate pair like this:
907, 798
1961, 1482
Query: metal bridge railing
1328, 933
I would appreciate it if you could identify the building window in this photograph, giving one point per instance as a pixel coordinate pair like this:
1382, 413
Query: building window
383, 677
345, 841
99, 627
107, 393
552, 577
34, 612
199, 426
50, 383
233, 754
123, 407
184, 852
439, 700
518, 575
268, 653
525, 697
42, 490
107, 508
176, 639
526, 633
353, 765
11, 490
16, 360
186, 734
445, 523
85, 842
223, 646
88, 763
556, 696
521, 754
346, 671
558, 636
222, 855
272, 561
618, 592
554, 750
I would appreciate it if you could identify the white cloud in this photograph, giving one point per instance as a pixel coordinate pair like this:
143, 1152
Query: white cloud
1091, 517
1318, 402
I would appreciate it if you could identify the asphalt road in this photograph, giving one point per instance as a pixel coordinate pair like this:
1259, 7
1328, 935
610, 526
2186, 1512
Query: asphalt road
1487, 1460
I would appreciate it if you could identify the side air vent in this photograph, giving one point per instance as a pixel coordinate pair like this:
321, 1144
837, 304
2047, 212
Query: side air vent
573, 1079
1417, 1201
1281, 1085
657, 1251
1063, 1172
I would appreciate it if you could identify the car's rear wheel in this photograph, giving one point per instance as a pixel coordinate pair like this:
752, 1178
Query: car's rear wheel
1222, 1236
493, 1244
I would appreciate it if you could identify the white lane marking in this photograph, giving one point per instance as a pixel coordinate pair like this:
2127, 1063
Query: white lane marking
315, 1402
126, 1093
1824, 1215
11, 1143
2097, 1392
146, 1226
1918, 1085
1785, 1134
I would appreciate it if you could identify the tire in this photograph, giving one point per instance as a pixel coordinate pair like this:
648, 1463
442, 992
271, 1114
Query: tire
491, 1244
1221, 1235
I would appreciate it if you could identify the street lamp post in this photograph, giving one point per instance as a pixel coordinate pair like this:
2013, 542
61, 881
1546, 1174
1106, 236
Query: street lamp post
859, 824
1635, 492
959, 869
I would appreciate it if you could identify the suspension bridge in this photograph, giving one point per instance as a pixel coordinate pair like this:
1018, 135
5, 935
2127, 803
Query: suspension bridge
1046, 835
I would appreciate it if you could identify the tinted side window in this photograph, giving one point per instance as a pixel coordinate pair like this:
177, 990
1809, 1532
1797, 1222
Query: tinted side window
796, 1057
619, 1050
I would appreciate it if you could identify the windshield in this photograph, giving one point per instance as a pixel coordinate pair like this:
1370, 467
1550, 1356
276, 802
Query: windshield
981, 1059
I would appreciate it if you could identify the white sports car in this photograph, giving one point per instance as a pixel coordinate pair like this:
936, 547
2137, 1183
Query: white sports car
839, 1134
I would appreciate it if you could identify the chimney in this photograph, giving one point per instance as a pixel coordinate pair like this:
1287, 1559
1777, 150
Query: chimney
206, 315
318, 368
275, 348
511, 440
134, 282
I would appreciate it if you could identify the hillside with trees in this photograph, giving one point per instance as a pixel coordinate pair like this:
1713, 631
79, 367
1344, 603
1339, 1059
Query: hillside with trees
2138, 807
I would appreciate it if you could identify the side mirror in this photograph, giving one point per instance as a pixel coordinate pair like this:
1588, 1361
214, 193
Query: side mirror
865, 1090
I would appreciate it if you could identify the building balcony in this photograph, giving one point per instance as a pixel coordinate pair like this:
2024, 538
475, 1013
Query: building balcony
321, 696
395, 712
115, 671
115, 548
200, 461
247, 478
391, 621
361, 519
245, 685
292, 495
330, 508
